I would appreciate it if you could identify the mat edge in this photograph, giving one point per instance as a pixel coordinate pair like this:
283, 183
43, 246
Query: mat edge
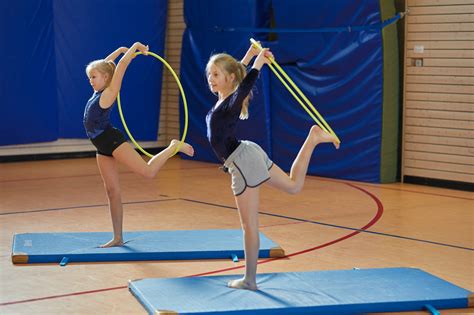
20, 258
277, 252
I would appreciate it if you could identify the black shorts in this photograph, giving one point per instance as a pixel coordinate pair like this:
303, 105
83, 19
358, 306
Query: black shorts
108, 141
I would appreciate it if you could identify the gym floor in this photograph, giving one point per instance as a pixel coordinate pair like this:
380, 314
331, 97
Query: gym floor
331, 224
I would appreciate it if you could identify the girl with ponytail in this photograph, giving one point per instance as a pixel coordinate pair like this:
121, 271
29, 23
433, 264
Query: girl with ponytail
247, 163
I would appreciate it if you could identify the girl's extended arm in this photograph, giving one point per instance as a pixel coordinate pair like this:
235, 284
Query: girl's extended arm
116, 53
110, 93
264, 57
251, 52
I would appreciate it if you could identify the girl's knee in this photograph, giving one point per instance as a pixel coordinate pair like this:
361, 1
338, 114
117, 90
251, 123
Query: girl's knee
112, 191
294, 189
148, 172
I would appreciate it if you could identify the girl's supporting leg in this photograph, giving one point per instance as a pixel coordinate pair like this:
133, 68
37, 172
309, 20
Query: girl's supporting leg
248, 204
127, 155
294, 183
109, 172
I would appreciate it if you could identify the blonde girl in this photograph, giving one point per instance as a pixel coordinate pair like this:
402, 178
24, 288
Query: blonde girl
247, 163
106, 80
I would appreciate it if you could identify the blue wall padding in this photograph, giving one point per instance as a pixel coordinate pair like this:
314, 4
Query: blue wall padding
28, 104
351, 106
48, 43
316, 49
142, 245
224, 14
341, 72
316, 292
84, 33
201, 39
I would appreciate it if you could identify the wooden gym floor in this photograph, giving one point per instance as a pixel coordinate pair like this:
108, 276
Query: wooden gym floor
332, 224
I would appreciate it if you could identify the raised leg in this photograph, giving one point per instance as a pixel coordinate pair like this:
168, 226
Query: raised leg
127, 155
295, 182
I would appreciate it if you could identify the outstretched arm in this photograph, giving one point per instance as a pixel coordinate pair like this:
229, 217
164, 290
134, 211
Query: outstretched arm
116, 53
264, 57
251, 52
110, 93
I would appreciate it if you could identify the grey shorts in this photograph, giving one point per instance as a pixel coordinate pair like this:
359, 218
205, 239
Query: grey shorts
249, 166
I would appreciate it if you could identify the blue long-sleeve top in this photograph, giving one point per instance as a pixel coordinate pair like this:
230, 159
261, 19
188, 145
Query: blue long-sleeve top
222, 119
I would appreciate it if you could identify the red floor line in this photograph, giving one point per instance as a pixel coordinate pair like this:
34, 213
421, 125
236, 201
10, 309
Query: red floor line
63, 295
374, 220
395, 189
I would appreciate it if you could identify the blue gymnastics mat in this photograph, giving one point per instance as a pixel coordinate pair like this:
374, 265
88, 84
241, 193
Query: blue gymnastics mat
143, 245
317, 292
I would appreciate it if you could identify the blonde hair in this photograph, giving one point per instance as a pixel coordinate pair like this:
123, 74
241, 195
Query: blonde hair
228, 63
104, 67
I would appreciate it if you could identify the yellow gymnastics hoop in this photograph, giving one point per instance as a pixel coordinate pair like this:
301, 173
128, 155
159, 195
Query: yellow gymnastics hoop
185, 104
321, 122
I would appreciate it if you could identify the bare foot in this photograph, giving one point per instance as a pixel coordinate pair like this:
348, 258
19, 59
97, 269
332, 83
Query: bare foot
242, 284
112, 243
320, 136
185, 147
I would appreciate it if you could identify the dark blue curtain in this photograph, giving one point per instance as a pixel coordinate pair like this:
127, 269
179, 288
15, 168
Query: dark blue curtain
89, 30
206, 34
325, 49
341, 73
46, 46
28, 103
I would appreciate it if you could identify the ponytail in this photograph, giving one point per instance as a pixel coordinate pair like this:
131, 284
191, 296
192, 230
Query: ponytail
240, 75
